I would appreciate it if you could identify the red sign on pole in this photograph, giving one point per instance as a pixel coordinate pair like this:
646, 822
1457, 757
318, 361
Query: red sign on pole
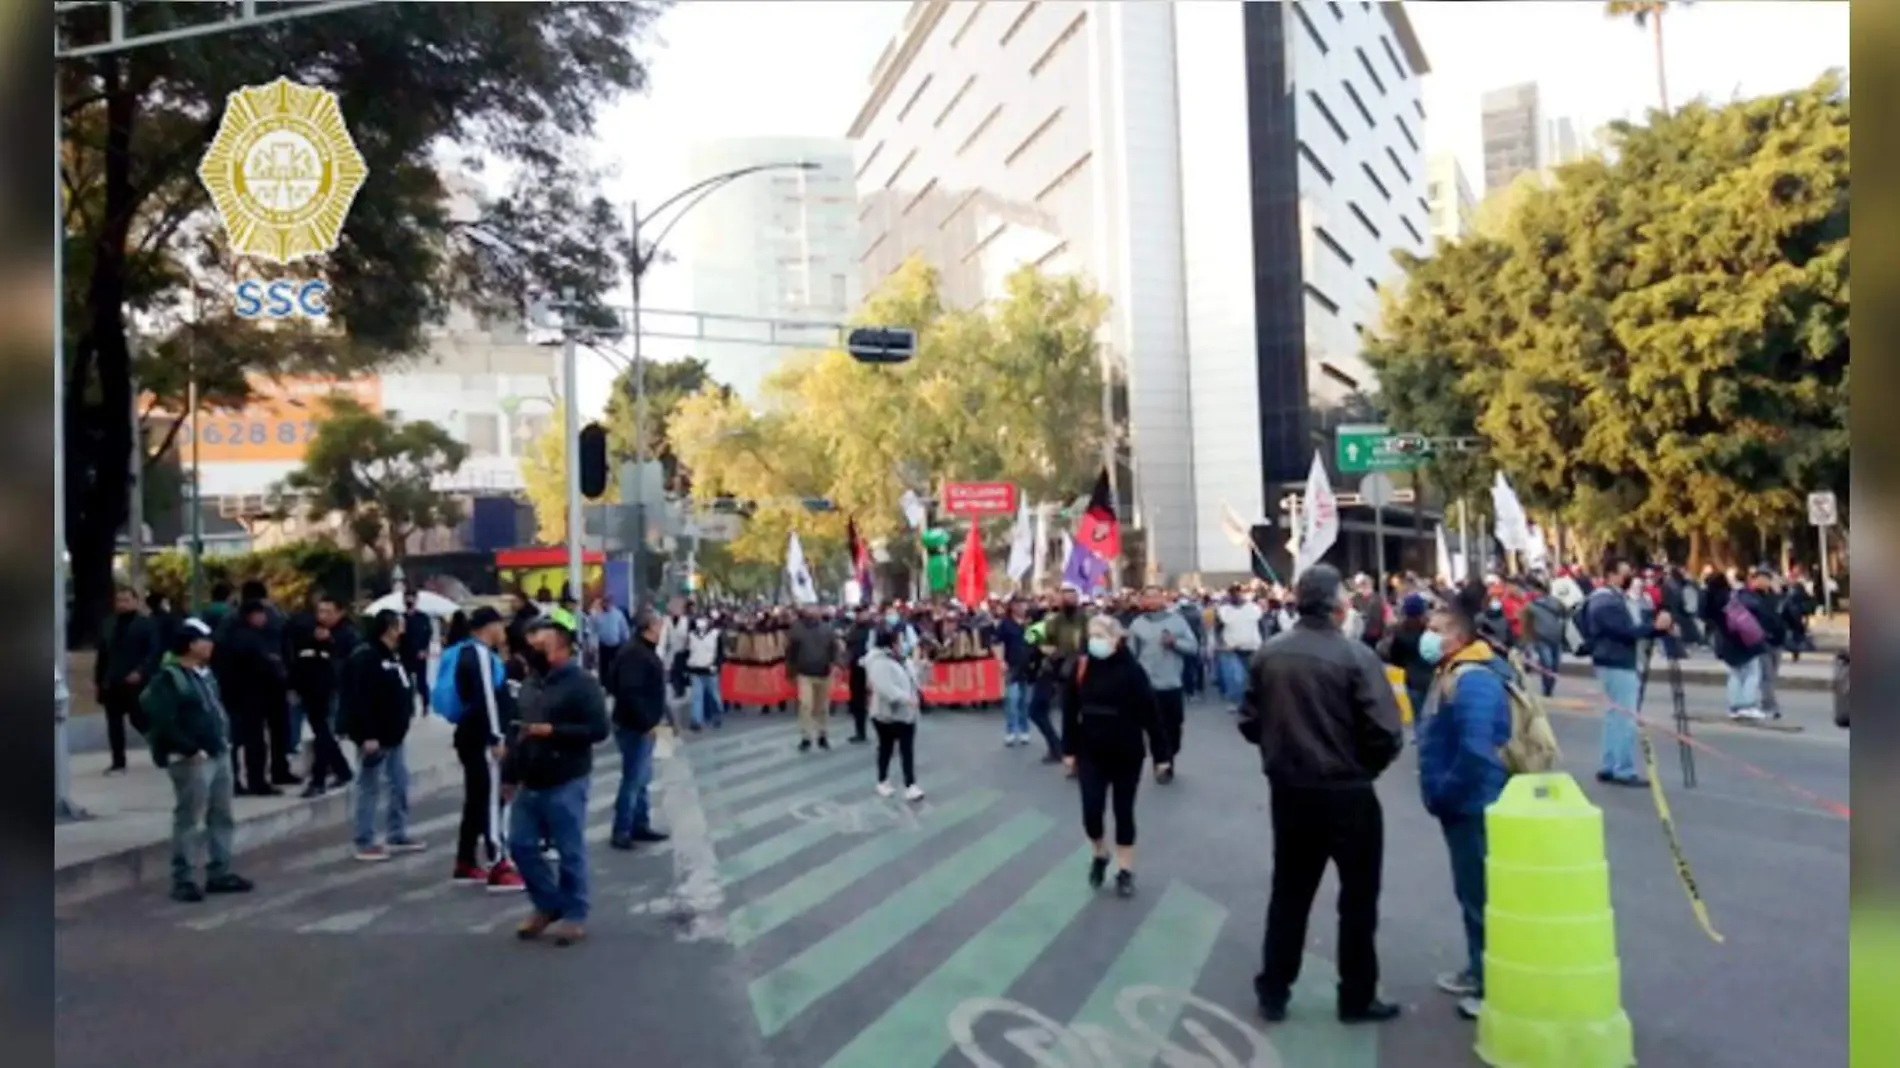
971, 499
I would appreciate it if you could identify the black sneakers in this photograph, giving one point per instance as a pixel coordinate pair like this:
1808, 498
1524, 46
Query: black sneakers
1374, 1011
823, 742
1098, 871
804, 745
1125, 883
228, 883
187, 893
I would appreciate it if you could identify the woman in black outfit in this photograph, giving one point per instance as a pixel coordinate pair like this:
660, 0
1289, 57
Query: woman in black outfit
1108, 722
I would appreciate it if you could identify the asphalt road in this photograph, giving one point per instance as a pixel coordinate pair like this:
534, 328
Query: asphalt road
798, 921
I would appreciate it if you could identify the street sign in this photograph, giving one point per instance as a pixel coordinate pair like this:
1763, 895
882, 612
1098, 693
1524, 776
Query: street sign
1376, 490
973, 499
881, 344
1362, 447
708, 525
1823, 510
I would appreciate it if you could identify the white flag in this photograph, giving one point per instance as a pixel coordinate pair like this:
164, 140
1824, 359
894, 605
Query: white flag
1319, 518
1511, 528
1444, 558
913, 508
797, 575
1022, 543
1040, 539
1536, 550
1068, 550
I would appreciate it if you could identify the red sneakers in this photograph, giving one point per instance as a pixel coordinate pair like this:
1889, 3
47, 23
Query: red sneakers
469, 873
504, 879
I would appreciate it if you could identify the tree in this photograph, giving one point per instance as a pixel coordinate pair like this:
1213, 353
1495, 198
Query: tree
1648, 14
418, 83
1656, 348
380, 473
667, 384
1009, 392
544, 477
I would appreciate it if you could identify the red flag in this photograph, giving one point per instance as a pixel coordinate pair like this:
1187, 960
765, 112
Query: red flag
860, 561
1099, 531
973, 571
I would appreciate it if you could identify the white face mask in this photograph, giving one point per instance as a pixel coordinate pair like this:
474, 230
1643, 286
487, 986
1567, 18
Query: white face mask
1101, 648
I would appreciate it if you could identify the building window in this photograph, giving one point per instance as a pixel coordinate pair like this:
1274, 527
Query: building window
1046, 258
951, 215
1034, 136
1417, 239
1069, 31
1373, 177
980, 127
1370, 73
1407, 131
915, 95
957, 98
1400, 167
975, 10
1364, 112
1327, 114
1028, 10
1372, 285
1311, 30
899, 172
1337, 375
1425, 206
1419, 106
929, 187
1313, 161
988, 239
1321, 299
840, 292
866, 209
1363, 221
1393, 56
1338, 12
873, 246
1067, 175
870, 159
1329, 241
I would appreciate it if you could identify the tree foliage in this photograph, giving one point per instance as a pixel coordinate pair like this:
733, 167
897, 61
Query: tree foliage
419, 85
1655, 348
1010, 392
667, 384
381, 474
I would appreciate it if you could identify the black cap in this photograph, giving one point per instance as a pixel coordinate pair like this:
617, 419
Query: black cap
482, 617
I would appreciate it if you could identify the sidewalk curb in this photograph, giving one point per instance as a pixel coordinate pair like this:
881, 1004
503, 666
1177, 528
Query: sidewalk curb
1708, 673
108, 873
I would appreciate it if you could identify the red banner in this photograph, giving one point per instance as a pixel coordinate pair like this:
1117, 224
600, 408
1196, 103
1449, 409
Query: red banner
962, 682
969, 499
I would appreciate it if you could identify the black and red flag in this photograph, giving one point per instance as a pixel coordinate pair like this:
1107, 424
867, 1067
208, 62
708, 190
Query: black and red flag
1099, 531
860, 561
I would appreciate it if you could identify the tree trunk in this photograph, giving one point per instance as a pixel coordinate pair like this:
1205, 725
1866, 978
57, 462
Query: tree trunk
1662, 77
99, 456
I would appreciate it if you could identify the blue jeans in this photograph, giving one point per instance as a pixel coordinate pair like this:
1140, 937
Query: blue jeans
1192, 669
636, 771
1041, 699
1233, 675
295, 741
1619, 729
1464, 840
557, 814
1016, 709
708, 707
387, 771
1549, 657
1744, 685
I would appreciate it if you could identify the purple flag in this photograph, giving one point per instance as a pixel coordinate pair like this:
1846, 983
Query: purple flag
1084, 570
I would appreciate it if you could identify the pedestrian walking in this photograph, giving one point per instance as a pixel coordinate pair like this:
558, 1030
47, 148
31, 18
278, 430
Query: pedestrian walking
1060, 645
1164, 645
128, 655
1765, 585
1738, 627
1401, 649
1239, 622
640, 695
546, 777
1019, 658
1544, 621
705, 653
189, 732
378, 704
1109, 726
896, 706
418, 635
1460, 772
612, 632
858, 642
316, 664
1326, 722
1612, 630
484, 720
812, 649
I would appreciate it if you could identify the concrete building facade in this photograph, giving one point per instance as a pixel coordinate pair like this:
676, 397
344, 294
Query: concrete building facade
1450, 196
1242, 251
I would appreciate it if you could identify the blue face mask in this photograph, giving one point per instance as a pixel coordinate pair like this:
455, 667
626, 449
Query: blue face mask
892, 620
1101, 648
1431, 647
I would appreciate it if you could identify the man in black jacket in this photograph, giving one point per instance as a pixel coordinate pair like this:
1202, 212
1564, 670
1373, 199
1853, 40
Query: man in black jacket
316, 664
547, 770
128, 655
250, 667
378, 703
857, 643
640, 687
1320, 709
418, 633
481, 742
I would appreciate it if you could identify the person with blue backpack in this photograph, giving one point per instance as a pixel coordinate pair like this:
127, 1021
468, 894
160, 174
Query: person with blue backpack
1612, 630
471, 691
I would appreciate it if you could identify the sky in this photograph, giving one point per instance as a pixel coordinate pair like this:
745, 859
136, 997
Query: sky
731, 68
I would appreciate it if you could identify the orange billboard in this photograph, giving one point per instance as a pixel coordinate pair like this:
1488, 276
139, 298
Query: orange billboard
277, 424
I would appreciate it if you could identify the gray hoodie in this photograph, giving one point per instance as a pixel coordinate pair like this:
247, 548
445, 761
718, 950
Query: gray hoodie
895, 697
1162, 664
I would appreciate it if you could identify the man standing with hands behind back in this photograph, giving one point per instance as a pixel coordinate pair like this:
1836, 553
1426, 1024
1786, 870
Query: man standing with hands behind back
1320, 709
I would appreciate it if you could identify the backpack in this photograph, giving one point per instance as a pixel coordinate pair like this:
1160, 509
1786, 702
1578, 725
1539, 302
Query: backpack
1742, 624
1532, 747
444, 701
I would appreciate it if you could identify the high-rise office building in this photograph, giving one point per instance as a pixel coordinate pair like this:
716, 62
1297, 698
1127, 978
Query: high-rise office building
1513, 127
779, 245
1233, 176
1449, 195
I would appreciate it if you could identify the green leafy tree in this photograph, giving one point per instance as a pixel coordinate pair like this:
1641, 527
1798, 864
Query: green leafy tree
544, 479
1655, 348
418, 84
380, 473
667, 384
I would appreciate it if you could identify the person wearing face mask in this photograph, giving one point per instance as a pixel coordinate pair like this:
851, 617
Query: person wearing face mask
1109, 725
1327, 725
379, 701
1612, 631
705, 645
640, 694
1063, 639
1460, 772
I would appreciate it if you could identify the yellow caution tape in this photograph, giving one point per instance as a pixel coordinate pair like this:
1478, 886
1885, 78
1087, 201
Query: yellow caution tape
1683, 875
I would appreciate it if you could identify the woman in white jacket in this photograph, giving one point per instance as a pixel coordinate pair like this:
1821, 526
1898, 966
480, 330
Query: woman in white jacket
895, 703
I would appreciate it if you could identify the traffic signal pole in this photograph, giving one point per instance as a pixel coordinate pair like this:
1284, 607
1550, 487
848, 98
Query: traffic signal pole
571, 445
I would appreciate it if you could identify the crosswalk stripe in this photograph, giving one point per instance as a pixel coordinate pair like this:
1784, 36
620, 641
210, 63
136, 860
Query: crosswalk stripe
778, 808
763, 759
1312, 1034
781, 847
345, 922
779, 996
793, 899
745, 738
745, 790
1168, 950
912, 1031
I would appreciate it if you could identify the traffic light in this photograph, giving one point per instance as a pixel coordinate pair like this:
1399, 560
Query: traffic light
593, 461
876, 344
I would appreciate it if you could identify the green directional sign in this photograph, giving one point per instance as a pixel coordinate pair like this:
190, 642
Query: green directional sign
1364, 447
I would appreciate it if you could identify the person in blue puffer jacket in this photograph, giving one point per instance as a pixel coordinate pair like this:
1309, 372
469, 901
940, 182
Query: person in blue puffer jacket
1459, 769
